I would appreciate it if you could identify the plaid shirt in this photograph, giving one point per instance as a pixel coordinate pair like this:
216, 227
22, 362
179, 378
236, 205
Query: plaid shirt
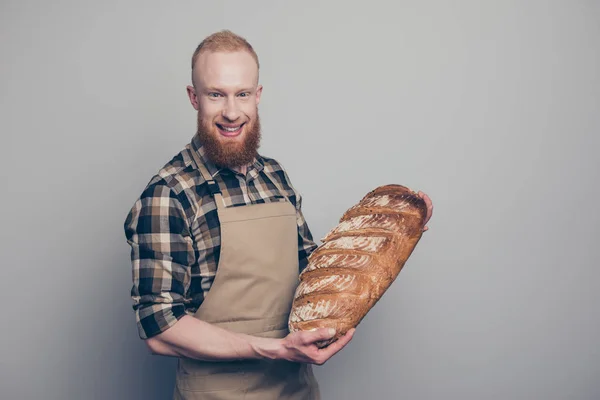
174, 233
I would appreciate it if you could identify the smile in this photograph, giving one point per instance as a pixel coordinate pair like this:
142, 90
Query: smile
230, 131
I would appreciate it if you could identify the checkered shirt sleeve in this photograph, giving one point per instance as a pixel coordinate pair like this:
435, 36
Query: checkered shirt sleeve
161, 254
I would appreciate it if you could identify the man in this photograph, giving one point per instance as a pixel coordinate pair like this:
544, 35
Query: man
217, 241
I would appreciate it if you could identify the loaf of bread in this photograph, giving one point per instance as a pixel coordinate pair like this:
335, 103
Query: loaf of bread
358, 261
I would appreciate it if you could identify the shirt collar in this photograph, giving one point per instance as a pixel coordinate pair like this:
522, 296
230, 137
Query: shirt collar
254, 168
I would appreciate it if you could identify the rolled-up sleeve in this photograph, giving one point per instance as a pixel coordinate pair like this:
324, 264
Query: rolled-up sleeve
162, 252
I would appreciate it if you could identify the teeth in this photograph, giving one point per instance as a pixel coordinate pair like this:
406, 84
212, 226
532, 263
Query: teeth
231, 129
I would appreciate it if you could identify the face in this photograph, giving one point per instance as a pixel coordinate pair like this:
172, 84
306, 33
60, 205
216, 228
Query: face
226, 96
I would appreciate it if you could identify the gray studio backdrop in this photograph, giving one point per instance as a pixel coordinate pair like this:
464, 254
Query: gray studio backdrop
492, 108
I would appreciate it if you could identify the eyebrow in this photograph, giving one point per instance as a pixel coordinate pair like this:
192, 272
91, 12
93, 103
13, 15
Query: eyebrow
216, 89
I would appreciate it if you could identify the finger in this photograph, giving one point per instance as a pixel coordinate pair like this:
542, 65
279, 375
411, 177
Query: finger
339, 344
428, 204
425, 198
316, 335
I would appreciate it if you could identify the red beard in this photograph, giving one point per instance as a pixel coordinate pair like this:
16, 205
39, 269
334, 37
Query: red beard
229, 153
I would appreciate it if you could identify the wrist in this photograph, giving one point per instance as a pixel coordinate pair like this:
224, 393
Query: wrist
266, 348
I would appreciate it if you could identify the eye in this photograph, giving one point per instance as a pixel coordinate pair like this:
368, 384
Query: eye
245, 94
214, 94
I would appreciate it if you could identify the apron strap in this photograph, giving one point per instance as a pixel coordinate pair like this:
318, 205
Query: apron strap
213, 187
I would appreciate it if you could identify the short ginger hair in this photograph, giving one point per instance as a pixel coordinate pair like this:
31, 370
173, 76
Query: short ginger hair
226, 41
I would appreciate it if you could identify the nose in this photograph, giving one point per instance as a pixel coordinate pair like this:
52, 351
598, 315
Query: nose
231, 110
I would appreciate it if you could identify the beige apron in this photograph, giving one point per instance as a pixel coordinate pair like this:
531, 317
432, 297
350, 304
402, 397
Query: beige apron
252, 293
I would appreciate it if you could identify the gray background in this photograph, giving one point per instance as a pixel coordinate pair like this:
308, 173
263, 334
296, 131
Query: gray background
489, 107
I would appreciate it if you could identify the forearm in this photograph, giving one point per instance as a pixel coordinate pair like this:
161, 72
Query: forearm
196, 339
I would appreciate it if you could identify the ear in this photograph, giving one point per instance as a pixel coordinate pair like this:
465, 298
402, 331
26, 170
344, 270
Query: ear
191, 91
258, 93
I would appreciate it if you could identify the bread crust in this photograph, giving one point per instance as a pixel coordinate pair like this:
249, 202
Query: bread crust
358, 260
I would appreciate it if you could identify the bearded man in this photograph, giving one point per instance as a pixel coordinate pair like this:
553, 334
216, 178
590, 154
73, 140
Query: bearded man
217, 242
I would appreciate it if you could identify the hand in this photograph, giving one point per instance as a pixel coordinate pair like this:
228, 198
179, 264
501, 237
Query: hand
300, 346
429, 208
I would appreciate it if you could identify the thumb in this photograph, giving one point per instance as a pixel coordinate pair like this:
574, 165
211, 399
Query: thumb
318, 334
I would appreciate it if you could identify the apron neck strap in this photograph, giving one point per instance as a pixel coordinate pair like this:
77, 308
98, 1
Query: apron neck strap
213, 187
